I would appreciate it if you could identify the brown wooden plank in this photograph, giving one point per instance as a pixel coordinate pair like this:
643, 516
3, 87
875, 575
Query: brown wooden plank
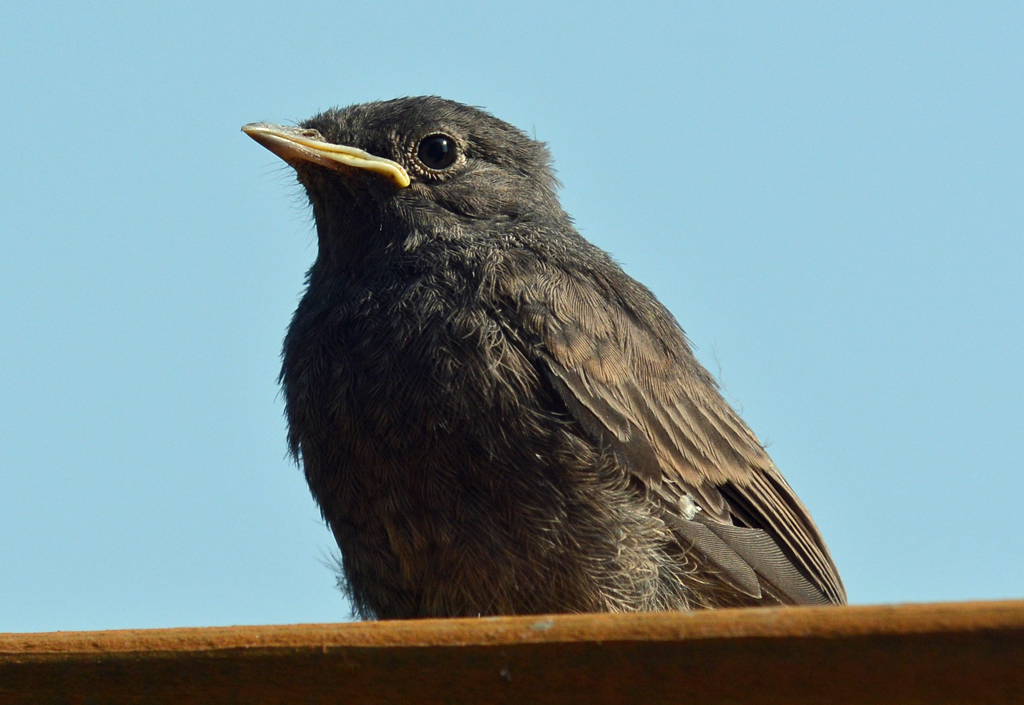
941, 653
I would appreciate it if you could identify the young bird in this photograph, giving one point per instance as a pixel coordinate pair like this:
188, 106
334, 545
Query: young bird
492, 416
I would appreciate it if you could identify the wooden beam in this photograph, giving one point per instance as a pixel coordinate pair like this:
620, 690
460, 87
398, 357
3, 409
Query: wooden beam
939, 653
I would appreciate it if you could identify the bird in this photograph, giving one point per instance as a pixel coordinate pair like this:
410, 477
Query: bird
493, 417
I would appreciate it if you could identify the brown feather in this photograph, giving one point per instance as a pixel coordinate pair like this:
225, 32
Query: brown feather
641, 391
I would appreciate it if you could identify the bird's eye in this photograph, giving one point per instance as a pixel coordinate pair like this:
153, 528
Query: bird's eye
437, 152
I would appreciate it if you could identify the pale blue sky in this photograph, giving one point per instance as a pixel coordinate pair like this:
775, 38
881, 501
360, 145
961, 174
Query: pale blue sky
830, 198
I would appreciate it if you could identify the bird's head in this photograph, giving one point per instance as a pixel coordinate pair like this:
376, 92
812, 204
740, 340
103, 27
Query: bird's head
384, 176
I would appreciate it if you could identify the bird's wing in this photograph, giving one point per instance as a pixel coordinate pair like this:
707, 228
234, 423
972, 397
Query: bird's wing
625, 371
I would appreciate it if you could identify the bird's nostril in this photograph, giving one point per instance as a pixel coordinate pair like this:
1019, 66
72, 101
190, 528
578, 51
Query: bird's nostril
312, 134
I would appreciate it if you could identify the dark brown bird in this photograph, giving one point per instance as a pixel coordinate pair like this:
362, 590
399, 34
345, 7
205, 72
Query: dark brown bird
493, 417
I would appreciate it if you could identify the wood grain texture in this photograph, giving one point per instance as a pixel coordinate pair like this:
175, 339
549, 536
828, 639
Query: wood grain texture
941, 653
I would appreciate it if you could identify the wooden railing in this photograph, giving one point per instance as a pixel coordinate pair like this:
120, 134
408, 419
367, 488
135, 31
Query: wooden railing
939, 653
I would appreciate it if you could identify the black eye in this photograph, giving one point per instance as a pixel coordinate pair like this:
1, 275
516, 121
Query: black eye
437, 152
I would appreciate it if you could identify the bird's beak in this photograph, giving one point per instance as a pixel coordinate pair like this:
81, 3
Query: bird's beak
296, 145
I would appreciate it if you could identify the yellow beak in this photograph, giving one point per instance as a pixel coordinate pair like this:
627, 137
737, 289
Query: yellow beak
296, 145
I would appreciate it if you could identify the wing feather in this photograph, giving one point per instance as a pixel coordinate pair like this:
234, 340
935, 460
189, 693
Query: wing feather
627, 374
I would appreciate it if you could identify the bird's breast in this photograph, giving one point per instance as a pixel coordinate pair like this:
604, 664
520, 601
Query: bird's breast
394, 372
